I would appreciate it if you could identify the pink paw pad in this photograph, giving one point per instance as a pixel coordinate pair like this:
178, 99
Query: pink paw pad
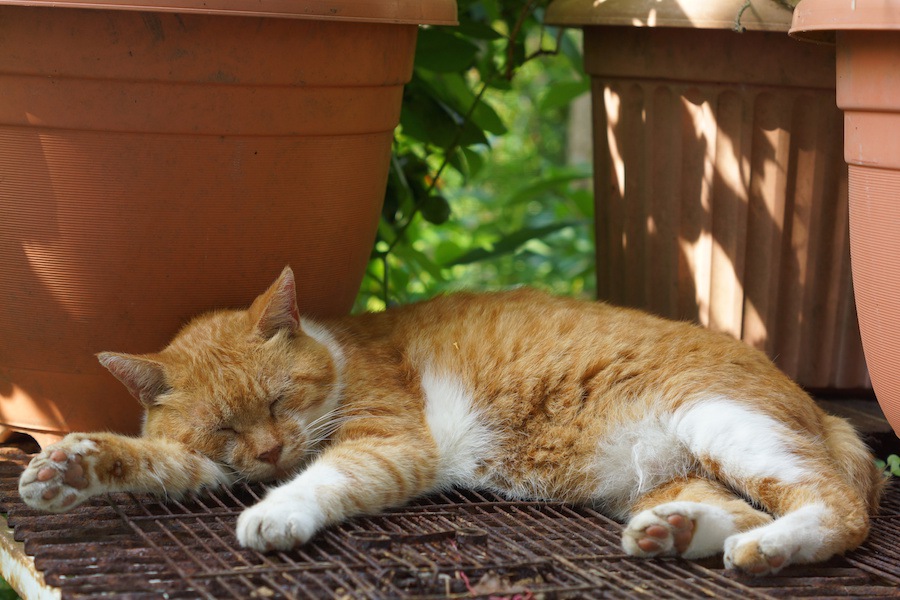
55, 481
73, 473
681, 530
772, 564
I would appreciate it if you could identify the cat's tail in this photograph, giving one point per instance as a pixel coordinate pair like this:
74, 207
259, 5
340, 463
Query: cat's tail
854, 461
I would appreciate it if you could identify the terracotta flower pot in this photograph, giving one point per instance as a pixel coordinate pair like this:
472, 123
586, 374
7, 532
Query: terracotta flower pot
867, 36
160, 163
720, 189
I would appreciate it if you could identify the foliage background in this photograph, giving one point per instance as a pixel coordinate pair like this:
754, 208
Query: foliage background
480, 193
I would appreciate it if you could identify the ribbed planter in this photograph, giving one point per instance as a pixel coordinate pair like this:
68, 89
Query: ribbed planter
867, 36
720, 188
160, 163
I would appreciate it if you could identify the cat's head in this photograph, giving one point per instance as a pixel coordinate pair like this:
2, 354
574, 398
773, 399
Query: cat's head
253, 389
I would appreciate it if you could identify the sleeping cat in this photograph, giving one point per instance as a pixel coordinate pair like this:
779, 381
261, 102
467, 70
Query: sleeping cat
694, 439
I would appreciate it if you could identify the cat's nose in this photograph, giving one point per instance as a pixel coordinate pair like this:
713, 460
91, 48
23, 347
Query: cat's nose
271, 455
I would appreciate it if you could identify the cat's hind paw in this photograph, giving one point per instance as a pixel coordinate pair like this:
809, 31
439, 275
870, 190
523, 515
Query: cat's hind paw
754, 558
59, 478
797, 537
649, 534
688, 529
762, 551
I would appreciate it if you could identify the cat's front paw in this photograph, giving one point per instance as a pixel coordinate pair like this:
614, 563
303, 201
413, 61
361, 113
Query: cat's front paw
274, 525
61, 477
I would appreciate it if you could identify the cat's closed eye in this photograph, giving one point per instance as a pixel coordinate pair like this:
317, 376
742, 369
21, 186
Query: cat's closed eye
226, 430
273, 404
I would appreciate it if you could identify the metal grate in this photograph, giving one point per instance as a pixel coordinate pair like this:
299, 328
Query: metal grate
454, 545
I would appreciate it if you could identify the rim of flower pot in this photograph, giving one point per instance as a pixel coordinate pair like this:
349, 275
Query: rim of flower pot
430, 12
695, 14
817, 20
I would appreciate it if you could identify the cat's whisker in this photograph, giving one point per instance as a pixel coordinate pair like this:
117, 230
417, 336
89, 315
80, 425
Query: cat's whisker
329, 413
245, 478
325, 429
326, 417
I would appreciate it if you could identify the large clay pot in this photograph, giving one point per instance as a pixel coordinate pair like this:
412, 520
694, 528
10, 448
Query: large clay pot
161, 163
867, 36
720, 189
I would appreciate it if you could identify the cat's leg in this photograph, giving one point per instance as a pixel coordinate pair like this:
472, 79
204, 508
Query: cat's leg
690, 517
818, 480
826, 512
355, 476
816, 520
84, 465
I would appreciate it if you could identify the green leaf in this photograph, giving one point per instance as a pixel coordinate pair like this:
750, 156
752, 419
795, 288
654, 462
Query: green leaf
546, 184
431, 122
397, 193
472, 135
474, 160
411, 256
478, 30
518, 54
439, 49
453, 91
7, 592
893, 463
511, 242
423, 120
583, 199
467, 161
446, 252
479, 10
397, 276
487, 118
435, 209
457, 160
502, 84
569, 47
562, 93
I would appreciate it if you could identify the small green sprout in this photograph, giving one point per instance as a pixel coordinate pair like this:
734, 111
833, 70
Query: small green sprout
891, 466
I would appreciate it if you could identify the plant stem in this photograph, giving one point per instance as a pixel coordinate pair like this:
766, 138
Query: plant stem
385, 282
510, 49
737, 19
544, 52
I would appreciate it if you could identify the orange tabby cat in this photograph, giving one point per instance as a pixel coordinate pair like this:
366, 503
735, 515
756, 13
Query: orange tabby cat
696, 440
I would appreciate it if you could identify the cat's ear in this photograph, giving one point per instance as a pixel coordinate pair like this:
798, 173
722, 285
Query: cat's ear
144, 377
276, 308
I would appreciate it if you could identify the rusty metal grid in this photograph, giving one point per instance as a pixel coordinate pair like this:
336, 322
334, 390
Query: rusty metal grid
452, 545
